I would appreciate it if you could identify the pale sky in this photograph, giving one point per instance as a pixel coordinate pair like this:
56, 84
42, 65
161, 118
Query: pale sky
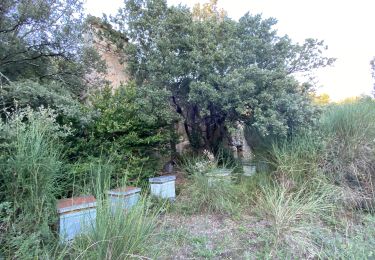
346, 26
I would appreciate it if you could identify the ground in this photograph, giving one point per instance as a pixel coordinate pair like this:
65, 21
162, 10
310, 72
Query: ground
208, 236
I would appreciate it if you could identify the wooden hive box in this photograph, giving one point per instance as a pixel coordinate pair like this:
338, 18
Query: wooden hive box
123, 198
76, 215
219, 175
163, 187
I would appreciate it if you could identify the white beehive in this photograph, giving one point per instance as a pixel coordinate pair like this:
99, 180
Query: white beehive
163, 187
123, 198
219, 175
76, 215
249, 169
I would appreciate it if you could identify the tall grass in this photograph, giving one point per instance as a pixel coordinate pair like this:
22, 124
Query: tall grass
293, 215
299, 157
350, 151
118, 234
342, 147
318, 172
30, 163
207, 194
202, 195
351, 122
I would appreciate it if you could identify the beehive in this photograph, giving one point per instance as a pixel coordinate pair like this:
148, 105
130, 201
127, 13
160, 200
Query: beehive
76, 215
249, 169
163, 187
123, 198
219, 175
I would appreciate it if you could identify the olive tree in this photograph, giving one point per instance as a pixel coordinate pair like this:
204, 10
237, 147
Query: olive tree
218, 70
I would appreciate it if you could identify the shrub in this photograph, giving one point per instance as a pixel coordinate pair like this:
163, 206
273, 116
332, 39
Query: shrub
22, 94
199, 164
132, 129
89, 176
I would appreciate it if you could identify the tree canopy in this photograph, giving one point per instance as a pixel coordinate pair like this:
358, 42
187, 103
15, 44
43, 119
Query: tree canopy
43, 40
219, 70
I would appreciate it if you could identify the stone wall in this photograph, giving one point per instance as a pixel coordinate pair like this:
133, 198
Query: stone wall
103, 38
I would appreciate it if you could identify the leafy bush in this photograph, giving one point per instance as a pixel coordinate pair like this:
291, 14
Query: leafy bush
30, 163
132, 129
22, 94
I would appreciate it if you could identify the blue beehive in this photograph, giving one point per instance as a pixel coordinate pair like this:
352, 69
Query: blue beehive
163, 187
76, 215
123, 198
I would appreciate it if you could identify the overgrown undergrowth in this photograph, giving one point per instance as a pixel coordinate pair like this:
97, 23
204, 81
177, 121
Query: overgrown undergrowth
318, 203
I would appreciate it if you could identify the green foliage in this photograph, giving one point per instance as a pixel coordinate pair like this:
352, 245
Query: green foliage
43, 40
350, 150
30, 162
356, 243
203, 194
351, 122
131, 129
21, 94
299, 156
294, 213
199, 164
88, 176
219, 71
341, 147
331, 165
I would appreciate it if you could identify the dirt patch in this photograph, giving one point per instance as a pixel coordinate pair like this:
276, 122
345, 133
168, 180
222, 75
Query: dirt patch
208, 236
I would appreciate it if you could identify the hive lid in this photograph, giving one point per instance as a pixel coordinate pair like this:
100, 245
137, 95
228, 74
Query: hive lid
124, 191
75, 203
249, 163
162, 179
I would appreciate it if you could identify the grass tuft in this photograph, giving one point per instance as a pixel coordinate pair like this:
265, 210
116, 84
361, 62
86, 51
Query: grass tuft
118, 235
293, 214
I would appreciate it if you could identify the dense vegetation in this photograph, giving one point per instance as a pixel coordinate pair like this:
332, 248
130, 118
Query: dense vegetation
65, 134
219, 71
